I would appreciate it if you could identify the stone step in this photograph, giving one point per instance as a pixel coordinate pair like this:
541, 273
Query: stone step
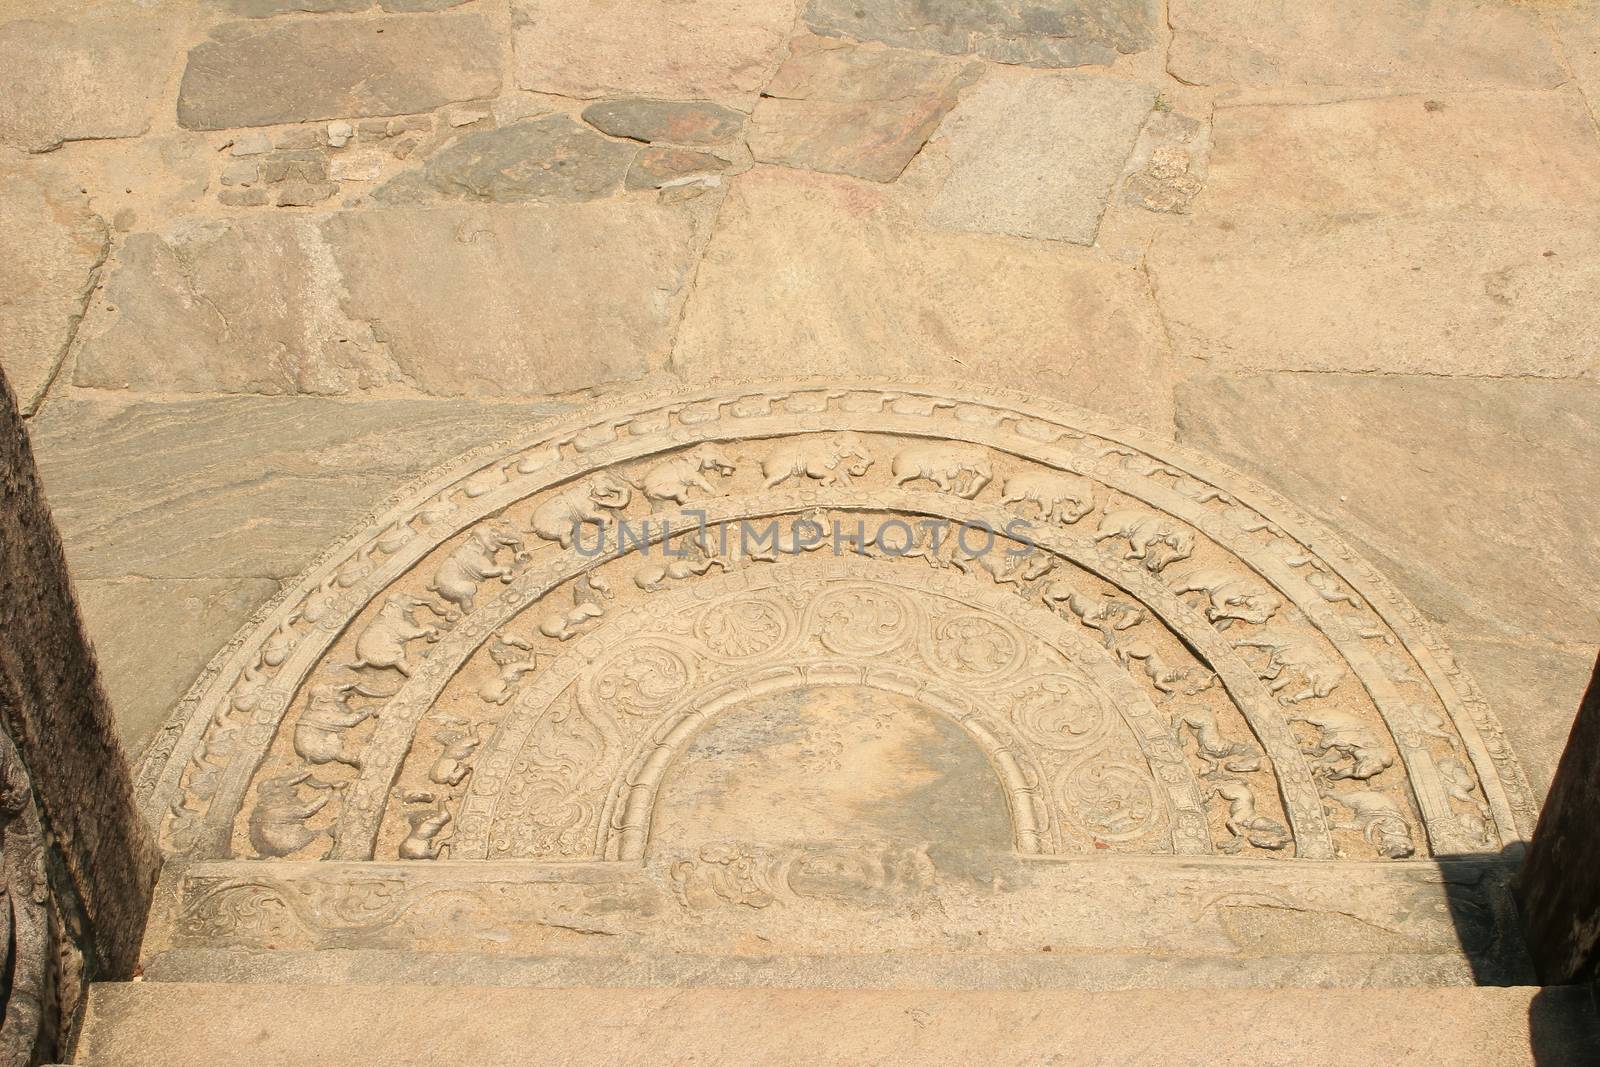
217, 1025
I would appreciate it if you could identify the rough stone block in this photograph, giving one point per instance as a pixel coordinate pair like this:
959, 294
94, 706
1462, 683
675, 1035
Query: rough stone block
551, 159
261, 74
690, 122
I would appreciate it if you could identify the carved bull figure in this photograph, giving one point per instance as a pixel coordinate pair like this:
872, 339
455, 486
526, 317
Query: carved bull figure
1063, 498
830, 460
960, 469
1144, 532
1230, 596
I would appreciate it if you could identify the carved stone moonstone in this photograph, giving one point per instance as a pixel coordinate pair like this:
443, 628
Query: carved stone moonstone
796, 647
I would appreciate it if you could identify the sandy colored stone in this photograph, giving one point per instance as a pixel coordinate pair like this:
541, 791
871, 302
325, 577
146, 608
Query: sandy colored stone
1167, 169
549, 159
432, 300
268, 1026
822, 275
688, 122
1051, 33
1038, 156
115, 475
152, 638
54, 245
260, 9
1577, 30
260, 74
1449, 235
841, 108
88, 77
1417, 44
718, 50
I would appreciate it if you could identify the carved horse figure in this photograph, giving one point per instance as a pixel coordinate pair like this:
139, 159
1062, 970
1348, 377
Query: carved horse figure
473, 561
383, 642
1216, 751
823, 459
1244, 822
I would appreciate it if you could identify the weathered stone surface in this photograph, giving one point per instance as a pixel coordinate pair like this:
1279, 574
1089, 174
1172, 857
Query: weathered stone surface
1168, 166
88, 77
662, 165
53, 247
153, 637
1417, 44
259, 74
838, 107
1441, 236
1577, 30
1478, 494
722, 50
1052, 33
824, 275
260, 9
551, 158
690, 122
436, 300
1038, 156
116, 474
192, 1025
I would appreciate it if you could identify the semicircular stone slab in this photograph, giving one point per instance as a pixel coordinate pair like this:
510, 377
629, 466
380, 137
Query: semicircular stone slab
800, 633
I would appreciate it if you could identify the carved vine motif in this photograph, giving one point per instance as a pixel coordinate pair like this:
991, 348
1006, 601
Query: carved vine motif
1201, 592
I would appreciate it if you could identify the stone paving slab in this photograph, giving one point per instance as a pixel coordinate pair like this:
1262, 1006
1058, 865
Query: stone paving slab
358, 1025
260, 74
820, 275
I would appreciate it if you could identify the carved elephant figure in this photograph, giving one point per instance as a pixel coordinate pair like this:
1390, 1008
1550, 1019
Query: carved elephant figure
671, 479
823, 459
592, 502
473, 561
960, 469
383, 642
278, 820
1231, 597
1062, 498
319, 735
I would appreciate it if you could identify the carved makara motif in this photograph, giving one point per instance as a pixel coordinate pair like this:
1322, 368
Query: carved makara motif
1123, 695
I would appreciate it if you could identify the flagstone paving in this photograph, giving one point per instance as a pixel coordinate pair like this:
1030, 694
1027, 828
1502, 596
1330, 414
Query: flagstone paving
269, 259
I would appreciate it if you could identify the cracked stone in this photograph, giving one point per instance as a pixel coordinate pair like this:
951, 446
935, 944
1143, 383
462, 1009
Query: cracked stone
252, 197
1471, 44
1167, 168
254, 74
551, 159
657, 166
304, 193
846, 109
1038, 156
86, 78
817, 274
658, 48
54, 244
687, 122
1043, 33
435, 300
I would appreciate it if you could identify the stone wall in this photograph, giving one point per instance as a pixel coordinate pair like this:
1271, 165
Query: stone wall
77, 862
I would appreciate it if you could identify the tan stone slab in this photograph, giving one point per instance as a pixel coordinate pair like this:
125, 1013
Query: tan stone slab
239, 487
815, 274
721, 50
73, 79
1038, 156
263, 73
1417, 45
1431, 295
1577, 30
177, 1025
470, 300
53, 245
152, 638
1482, 493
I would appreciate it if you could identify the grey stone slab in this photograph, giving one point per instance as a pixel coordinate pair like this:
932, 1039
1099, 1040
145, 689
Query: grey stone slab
493, 300
1476, 497
54, 244
1038, 156
300, 70
87, 77
1415, 44
267, 1025
845, 109
260, 9
551, 159
152, 638
688, 122
239, 487
1047, 33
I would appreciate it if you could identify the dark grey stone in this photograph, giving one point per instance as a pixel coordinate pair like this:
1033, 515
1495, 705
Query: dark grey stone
550, 158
